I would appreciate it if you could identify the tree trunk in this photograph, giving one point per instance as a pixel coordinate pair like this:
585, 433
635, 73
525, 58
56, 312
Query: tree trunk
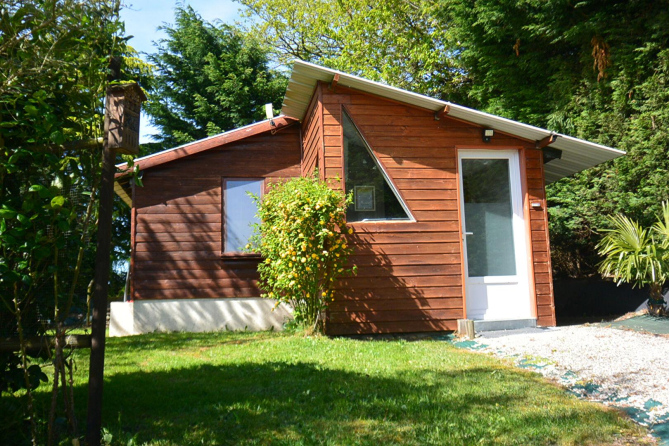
656, 302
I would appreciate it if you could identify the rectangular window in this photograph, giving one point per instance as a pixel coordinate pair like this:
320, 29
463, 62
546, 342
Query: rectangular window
239, 212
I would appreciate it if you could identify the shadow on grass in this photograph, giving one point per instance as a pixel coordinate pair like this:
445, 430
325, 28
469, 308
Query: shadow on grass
174, 341
304, 403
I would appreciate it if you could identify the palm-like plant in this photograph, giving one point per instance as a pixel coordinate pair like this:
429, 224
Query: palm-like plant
637, 255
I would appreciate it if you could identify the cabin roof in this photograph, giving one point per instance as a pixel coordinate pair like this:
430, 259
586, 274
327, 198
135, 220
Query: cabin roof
191, 148
577, 154
122, 179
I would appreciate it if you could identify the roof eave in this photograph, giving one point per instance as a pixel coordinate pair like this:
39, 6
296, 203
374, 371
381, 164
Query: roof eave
305, 76
201, 145
160, 158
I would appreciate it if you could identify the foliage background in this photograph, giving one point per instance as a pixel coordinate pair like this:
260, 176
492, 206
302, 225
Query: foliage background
594, 69
54, 56
209, 78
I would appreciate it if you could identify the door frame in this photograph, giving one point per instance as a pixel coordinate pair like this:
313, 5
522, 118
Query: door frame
520, 221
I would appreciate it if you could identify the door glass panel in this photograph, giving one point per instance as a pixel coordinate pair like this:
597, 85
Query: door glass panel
488, 216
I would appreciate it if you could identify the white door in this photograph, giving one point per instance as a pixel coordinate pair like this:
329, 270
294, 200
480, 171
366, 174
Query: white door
496, 265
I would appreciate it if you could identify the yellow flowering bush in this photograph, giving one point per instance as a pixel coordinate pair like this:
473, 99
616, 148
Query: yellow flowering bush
301, 238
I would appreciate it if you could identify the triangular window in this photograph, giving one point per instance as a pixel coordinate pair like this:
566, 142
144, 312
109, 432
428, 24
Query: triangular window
374, 196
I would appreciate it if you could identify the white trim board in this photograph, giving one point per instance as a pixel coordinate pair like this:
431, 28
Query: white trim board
196, 315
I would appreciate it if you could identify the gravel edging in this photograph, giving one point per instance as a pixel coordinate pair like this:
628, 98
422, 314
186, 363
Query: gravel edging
620, 368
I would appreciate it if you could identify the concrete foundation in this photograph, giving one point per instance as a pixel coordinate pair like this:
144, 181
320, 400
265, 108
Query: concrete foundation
196, 315
511, 324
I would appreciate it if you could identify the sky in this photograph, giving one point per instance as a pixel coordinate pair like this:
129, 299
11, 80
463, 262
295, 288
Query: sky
143, 17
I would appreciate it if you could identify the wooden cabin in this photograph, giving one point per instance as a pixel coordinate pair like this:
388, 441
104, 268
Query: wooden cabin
449, 213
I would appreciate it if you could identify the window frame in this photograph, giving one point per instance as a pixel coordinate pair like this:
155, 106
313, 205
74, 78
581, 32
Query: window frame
232, 255
378, 163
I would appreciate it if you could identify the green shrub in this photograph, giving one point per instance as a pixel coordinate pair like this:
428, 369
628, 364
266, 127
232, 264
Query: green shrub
301, 238
637, 255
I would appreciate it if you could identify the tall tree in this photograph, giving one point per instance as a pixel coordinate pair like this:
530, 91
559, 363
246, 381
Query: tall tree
595, 69
54, 56
210, 78
397, 42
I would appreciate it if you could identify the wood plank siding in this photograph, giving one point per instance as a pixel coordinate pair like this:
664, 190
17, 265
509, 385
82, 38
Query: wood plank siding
312, 139
178, 213
410, 273
539, 237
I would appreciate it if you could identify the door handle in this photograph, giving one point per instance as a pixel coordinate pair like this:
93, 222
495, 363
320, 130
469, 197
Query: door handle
468, 233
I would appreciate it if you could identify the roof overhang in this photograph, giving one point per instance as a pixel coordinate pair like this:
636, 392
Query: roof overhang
122, 185
191, 148
123, 189
577, 154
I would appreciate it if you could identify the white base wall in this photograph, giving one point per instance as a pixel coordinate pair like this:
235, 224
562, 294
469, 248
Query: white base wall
196, 315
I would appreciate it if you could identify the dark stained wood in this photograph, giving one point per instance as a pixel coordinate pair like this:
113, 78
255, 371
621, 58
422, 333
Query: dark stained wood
312, 137
209, 143
186, 266
395, 304
170, 284
177, 246
544, 288
447, 186
428, 194
203, 208
419, 155
43, 344
379, 259
390, 236
401, 265
133, 239
391, 281
179, 237
157, 228
425, 314
391, 327
416, 248
432, 205
409, 270
442, 113
410, 275
178, 218
334, 82
435, 215
153, 256
196, 293
409, 295
227, 271
390, 227
421, 173
544, 142
145, 218
540, 256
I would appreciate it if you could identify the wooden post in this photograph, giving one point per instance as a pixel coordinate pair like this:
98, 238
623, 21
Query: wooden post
122, 134
466, 327
38, 344
99, 318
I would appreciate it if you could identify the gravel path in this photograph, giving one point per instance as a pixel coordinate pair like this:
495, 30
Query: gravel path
616, 367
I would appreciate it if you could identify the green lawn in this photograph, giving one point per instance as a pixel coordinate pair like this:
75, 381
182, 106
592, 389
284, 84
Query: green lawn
273, 388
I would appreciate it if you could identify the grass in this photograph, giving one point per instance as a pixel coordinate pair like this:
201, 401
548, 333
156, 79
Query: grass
287, 389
